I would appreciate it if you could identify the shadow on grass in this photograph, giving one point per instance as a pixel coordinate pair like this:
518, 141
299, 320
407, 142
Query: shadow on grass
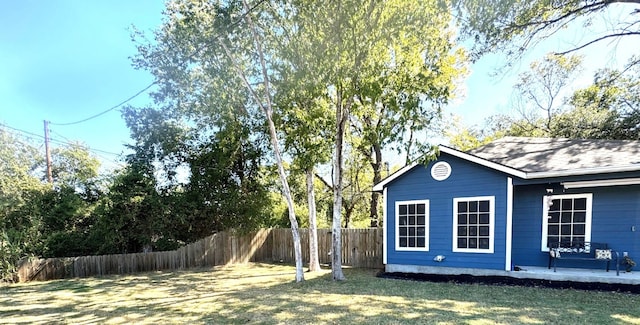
264, 293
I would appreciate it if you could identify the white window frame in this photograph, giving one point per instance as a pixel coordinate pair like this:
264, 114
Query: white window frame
492, 224
545, 216
426, 226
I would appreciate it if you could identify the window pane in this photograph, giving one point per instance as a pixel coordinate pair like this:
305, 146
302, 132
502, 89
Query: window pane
420, 232
552, 239
412, 208
412, 242
462, 219
473, 231
566, 217
420, 221
473, 243
579, 216
420, 209
484, 206
462, 243
553, 230
565, 230
412, 220
462, 231
402, 220
412, 232
484, 231
567, 204
403, 231
473, 206
462, 207
579, 229
555, 217
403, 242
484, 219
420, 242
580, 204
484, 243
402, 208
473, 219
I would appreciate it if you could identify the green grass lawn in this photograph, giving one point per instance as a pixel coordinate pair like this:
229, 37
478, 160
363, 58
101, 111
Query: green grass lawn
264, 293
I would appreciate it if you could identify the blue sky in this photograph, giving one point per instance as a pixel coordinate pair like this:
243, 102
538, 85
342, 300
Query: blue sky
66, 60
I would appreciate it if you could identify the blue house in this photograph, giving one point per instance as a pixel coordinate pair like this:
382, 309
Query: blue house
506, 203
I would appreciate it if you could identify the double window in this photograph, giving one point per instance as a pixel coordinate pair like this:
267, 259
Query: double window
566, 219
412, 222
473, 224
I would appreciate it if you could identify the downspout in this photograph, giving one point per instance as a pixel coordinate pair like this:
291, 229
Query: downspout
509, 230
384, 226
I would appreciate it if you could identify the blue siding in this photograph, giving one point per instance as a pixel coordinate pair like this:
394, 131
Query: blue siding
466, 180
616, 210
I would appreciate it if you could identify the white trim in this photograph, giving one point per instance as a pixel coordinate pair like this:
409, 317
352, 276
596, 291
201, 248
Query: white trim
492, 224
426, 226
509, 234
545, 216
436, 166
600, 183
483, 162
384, 226
583, 171
378, 187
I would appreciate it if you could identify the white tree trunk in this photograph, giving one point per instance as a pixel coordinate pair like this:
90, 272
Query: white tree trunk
268, 110
314, 261
336, 242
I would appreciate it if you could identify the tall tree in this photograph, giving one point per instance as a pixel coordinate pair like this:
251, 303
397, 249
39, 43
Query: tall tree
305, 120
542, 92
353, 47
211, 66
514, 26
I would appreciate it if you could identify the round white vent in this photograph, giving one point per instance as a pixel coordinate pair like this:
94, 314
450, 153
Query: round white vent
440, 171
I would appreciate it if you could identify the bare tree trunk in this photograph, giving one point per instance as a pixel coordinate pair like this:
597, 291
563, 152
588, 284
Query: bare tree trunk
407, 159
342, 112
377, 177
314, 260
268, 110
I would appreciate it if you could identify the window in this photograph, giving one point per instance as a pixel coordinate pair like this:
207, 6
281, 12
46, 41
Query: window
473, 223
412, 221
567, 219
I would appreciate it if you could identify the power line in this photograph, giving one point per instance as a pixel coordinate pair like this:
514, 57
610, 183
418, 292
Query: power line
231, 25
68, 144
108, 110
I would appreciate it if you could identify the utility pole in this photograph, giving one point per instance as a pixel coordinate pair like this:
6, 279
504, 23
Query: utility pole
48, 152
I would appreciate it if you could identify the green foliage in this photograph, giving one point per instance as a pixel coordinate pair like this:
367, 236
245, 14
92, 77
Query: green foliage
514, 26
607, 109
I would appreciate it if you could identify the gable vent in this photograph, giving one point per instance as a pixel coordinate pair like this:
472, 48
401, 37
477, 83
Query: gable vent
440, 171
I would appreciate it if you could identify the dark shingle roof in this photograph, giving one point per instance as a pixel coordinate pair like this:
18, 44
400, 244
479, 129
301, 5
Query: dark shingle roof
532, 155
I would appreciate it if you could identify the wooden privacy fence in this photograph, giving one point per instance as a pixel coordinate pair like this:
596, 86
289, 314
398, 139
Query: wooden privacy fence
360, 248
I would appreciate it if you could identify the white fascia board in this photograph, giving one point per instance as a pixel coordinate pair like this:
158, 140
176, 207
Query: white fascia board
380, 186
584, 171
601, 183
483, 162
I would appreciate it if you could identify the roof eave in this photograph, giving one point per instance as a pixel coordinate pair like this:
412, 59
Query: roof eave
583, 171
483, 162
380, 186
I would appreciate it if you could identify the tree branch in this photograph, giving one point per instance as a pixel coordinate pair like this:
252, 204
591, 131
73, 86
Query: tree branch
595, 41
